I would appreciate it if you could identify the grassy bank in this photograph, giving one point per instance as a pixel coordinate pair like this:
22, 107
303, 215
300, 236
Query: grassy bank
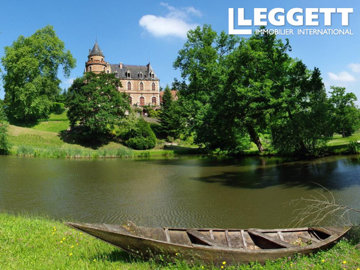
39, 243
43, 140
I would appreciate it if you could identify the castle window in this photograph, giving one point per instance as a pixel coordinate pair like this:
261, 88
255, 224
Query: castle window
152, 75
142, 101
141, 86
102, 59
90, 69
91, 58
153, 86
128, 74
129, 86
153, 100
130, 100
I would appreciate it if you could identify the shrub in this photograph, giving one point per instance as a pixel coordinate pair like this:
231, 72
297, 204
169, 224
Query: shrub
58, 108
139, 136
353, 147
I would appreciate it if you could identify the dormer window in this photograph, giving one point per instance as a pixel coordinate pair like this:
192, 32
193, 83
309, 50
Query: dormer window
127, 74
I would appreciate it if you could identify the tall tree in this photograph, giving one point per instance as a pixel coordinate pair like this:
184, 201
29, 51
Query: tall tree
171, 116
4, 142
300, 122
201, 64
95, 105
31, 69
345, 115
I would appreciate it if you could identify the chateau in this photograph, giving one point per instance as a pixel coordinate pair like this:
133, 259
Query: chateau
139, 82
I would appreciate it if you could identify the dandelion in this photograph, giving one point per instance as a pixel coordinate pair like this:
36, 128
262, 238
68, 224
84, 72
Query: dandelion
61, 242
64, 239
322, 260
222, 267
224, 262
70, 254
344, 262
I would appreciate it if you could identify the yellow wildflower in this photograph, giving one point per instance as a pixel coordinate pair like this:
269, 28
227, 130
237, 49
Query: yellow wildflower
322, 260
72, 246
344, 262
61, 242
64, 238
222, 267
70, 254
223, 262
202, 267
94, 260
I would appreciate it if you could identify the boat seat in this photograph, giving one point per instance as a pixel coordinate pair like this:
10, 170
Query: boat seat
198, 238
264, 241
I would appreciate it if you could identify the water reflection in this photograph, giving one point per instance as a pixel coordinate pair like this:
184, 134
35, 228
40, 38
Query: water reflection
252, 192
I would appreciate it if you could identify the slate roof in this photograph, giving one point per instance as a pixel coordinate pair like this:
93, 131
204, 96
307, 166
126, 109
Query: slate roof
96, 50
135, 72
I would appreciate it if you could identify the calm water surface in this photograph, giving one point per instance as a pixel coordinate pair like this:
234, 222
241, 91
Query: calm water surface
253, 192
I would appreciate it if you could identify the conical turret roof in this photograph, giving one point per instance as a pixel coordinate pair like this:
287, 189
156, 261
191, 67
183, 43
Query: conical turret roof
96, 50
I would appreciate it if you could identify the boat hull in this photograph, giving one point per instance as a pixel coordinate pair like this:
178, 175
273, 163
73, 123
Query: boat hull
194, 253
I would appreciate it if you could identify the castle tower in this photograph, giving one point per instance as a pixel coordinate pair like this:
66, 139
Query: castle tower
96, 62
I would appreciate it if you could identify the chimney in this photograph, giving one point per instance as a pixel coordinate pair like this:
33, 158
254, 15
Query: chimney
121, 65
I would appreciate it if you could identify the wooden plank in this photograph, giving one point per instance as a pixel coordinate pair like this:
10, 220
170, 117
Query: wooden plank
167, 235
212, 235
243, 238
227, 238
236, 239
264, 241
280, 235
202, 239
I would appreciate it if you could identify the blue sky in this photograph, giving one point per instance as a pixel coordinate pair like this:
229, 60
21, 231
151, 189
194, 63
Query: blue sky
138, 32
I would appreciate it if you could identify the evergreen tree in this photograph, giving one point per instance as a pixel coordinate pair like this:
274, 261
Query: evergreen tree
170, 117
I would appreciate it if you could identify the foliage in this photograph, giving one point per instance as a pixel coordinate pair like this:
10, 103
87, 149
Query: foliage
240, 89
171, 122
301, 123
345, 116
57, 108
139, 135
354, 147
4, 142
201, 62
95, 105
30, 82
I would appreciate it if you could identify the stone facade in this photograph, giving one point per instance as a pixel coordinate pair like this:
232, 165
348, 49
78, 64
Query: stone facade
139, 82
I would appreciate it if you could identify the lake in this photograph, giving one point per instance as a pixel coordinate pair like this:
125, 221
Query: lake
184, 192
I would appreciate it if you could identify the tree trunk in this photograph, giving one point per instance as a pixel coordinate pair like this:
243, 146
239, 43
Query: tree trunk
255, 138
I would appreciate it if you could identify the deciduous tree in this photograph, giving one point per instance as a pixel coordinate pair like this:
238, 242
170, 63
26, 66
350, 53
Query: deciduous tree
31, 80
95, 105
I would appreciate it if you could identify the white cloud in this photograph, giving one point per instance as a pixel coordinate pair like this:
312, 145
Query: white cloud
175, 23
354, 67
341, 77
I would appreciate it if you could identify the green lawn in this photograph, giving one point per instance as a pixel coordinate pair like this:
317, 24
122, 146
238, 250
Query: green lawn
55, 123
339, 140
40, 243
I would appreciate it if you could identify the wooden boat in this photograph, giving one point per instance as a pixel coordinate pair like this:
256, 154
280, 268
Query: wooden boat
214, 246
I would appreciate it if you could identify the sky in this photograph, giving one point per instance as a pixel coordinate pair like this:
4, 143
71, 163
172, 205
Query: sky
143, 31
